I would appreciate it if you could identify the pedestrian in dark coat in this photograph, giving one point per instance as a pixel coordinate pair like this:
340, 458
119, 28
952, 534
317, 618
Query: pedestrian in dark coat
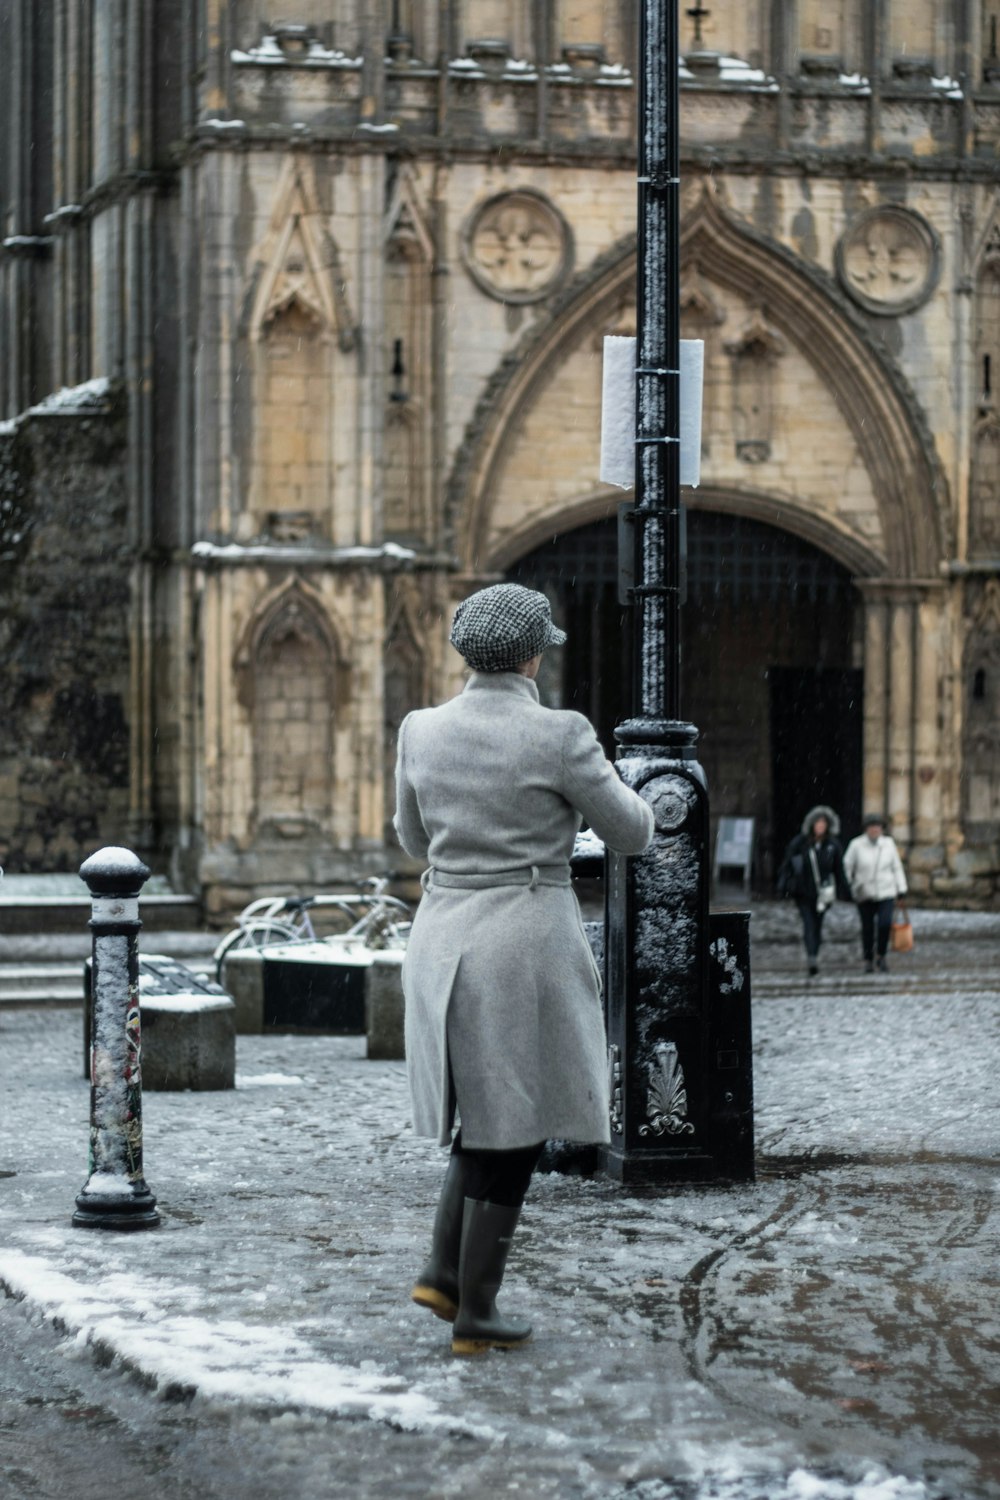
503, 1015
812, 872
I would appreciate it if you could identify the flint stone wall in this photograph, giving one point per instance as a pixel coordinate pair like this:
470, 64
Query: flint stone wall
64, 637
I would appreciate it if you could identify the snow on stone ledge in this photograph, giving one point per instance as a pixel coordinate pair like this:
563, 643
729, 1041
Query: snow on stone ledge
74, 397
270, 55
180, 1002
262, 551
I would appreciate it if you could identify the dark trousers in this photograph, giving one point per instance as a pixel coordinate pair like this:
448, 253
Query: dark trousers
876, 921
497, 1176
812, 925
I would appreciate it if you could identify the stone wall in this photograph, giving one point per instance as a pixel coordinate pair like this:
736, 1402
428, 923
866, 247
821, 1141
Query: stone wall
64, 637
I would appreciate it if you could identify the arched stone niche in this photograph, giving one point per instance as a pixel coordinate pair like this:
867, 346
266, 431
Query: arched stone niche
292, 683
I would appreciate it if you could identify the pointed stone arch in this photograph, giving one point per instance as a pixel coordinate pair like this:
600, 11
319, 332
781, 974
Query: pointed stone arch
298, 264
831, 537
405, 221
804, 307
290, 680
292, 597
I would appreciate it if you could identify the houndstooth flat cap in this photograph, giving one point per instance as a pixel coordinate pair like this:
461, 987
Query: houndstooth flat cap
501, 627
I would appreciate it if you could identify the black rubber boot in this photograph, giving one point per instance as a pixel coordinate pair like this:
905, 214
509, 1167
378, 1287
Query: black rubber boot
437, 1285
487, 1230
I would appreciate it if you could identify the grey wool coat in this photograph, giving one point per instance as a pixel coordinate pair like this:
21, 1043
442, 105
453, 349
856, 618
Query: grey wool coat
503, 1014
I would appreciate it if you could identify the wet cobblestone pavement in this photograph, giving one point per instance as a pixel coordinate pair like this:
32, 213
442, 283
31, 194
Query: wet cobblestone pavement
830, 1333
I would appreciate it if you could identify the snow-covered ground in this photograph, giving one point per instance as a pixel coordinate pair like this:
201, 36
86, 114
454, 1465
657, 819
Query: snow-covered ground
830, 1333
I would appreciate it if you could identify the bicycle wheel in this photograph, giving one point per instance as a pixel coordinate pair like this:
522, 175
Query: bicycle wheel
256, 936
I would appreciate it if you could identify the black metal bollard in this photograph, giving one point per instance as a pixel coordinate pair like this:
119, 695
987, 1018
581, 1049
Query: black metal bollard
115, 1195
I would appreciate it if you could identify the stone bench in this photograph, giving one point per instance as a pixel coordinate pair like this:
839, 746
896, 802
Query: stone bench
188, 1028
311, 987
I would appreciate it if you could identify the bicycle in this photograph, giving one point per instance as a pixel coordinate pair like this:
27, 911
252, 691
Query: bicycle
270, 921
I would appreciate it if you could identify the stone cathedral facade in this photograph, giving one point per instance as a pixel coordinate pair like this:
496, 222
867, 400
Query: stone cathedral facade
301, 316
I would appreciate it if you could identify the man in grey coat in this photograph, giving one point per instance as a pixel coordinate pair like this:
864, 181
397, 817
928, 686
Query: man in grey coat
503, 1015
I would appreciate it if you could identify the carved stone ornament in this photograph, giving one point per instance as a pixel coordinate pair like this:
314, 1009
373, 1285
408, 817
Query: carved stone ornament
615, 1089
888, 260
667, 1104
517, 247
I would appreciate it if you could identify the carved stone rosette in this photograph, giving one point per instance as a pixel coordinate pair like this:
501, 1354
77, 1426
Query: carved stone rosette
517, 247
888, 260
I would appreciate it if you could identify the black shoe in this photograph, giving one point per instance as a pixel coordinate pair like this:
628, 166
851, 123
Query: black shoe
813, 968
437, 1285
869, 966
487, 1230
882, 966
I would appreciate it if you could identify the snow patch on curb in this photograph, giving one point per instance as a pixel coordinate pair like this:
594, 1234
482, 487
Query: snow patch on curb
226, 1360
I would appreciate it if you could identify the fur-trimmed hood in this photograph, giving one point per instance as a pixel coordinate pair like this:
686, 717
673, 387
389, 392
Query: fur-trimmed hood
822, 812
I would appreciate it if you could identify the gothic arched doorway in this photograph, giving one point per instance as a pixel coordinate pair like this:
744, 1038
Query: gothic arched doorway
771, 670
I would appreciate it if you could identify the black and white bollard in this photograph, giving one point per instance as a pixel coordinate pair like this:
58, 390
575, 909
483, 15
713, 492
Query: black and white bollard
115, 1195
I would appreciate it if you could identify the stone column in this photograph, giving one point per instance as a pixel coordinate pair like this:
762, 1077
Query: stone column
905, 738
875, 752
935, 759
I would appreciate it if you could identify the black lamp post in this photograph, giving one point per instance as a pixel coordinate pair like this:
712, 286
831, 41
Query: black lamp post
672, 1113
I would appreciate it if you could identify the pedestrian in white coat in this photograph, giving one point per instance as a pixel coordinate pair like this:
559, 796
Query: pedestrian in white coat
874, 872
503, 1014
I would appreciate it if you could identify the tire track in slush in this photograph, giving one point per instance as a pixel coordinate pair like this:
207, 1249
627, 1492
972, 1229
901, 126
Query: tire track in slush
697, 1280
921, 1305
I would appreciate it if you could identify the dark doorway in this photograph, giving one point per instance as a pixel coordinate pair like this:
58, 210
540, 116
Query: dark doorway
815, 745
771, 664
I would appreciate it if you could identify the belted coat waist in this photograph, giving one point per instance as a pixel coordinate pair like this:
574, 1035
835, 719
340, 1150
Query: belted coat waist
503, 1014
530, 875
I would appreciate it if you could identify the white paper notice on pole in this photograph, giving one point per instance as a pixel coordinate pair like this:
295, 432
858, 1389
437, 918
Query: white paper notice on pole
692, 379
618, 412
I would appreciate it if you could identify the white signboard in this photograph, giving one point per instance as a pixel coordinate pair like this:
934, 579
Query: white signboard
618, 411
